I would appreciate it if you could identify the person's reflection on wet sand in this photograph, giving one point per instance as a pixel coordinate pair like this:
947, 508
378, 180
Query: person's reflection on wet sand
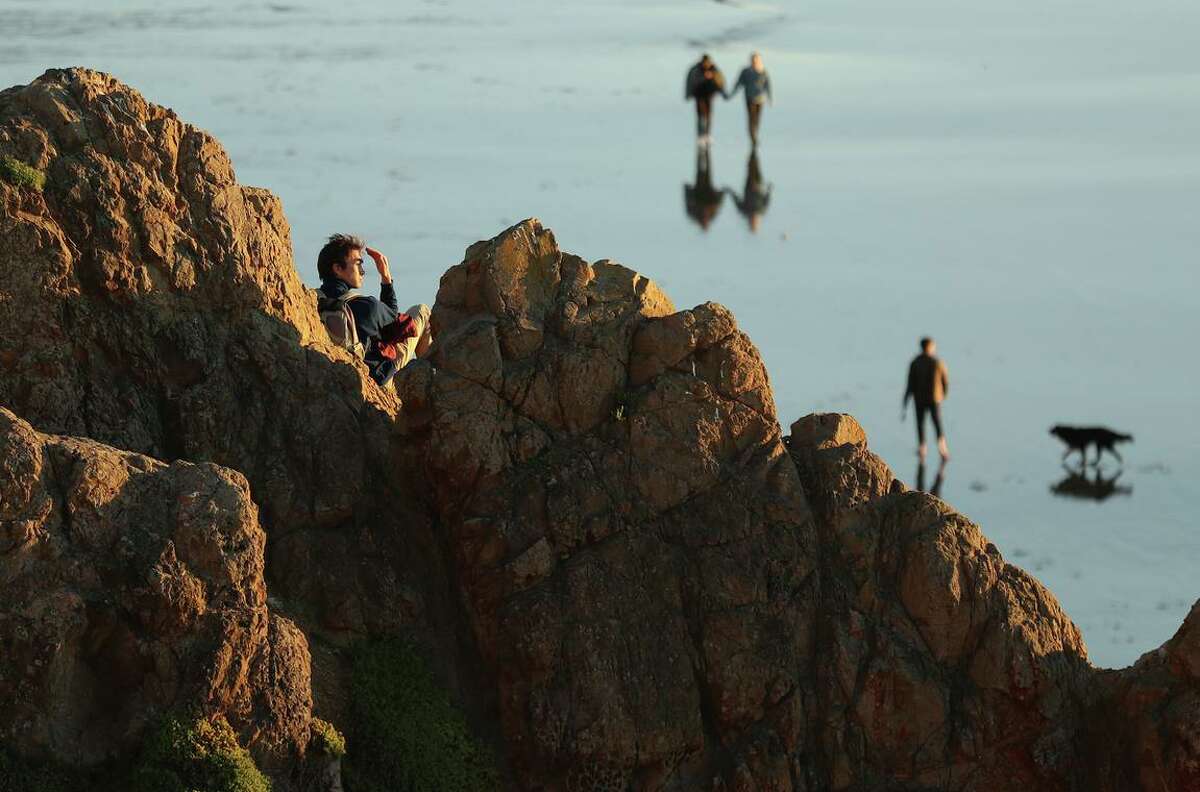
938, 479
1098, 488
701, 200
755, 196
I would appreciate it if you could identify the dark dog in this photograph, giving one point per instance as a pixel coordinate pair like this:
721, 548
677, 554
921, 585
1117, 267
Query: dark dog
1078, 438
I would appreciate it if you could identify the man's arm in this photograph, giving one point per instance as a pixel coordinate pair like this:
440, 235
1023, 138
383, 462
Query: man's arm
371, 316
909, 389
945, 379
770, 98
387, 299
387, 292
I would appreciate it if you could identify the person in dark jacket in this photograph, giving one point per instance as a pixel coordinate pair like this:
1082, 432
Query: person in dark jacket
757, 86
927, 386
704, 80
390, 338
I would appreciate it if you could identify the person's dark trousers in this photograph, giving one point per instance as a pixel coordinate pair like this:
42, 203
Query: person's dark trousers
703, 114
753, 114
935, 412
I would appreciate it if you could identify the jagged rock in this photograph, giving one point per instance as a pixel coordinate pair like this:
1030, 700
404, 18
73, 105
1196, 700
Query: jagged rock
150, 302
946, 667
581, 503
837, 469
628, 548
134, 589
1154, 708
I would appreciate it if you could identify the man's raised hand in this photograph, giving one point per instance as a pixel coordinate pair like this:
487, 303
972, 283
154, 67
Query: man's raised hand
381, 264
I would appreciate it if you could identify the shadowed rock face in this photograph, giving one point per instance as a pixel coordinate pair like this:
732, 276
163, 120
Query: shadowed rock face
133, 589
582, 502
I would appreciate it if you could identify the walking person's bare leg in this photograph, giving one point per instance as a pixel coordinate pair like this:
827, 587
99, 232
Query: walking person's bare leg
936, 414
921, 432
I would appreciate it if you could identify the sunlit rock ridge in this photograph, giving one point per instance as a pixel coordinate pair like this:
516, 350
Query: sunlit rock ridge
581, 507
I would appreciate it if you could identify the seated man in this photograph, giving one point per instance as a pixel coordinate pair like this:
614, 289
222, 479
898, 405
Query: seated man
389, 338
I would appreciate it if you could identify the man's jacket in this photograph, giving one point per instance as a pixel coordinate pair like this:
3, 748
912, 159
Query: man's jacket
370, 317
928, 383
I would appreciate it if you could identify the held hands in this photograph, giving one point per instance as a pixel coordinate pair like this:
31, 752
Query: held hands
381, 264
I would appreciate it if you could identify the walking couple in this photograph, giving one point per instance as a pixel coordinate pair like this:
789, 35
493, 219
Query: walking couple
704, 81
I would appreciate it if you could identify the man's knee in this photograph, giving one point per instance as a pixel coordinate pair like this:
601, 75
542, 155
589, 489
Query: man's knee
418, 344
420, 314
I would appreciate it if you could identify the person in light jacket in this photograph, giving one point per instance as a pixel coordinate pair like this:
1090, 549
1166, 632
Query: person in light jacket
756, 84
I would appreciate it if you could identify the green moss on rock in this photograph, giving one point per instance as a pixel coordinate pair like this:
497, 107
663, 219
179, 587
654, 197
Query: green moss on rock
19, 174
20, 775
407, 735
201, 755
326, 739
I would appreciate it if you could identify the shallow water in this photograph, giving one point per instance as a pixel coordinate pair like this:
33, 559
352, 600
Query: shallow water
1018, 181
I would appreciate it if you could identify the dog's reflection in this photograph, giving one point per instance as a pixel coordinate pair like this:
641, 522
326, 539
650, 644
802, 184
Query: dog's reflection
938, 479
702, 200
1097, 488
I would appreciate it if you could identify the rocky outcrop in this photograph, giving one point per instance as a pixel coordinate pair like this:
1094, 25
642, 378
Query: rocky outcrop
150, 302
1152, 710
627, 530
943, 666
134, 589
581, 503
655, 600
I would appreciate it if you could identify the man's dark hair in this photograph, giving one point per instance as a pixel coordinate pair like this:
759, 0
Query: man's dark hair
335, 251
925, 342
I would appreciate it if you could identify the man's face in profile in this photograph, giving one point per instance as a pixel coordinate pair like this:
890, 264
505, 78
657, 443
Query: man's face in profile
351, 270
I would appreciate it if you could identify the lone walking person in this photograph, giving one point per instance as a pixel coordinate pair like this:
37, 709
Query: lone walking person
757, 85
703, 81
928, 385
